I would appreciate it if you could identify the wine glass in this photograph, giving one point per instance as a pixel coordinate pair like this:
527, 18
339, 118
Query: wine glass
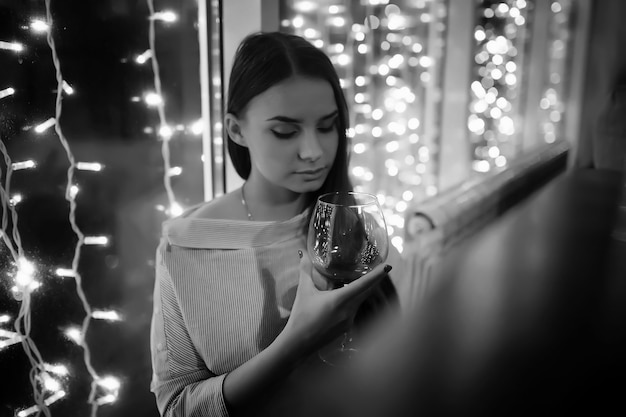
347, 238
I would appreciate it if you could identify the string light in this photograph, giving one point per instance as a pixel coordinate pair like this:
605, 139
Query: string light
60, 370
36, 409
70, 197
197, 127
165, 131
25, 282
174, 210
95, 240
143, 57
551, 104
494, 110
106, 315
42, 127
47, 387
15, 199
39, 26
7, 92
47, 380
28, 164
74, 333
64, 272
89, 166
175, 171
11, 46
109, 388
153, 99
73, 191
7, 337
67, 89
10, 341
167, 16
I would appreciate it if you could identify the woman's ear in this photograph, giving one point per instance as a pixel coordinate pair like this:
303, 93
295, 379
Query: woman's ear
233, 127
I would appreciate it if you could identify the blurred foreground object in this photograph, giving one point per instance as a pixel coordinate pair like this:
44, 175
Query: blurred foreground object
437, 224
528, 314
609, 145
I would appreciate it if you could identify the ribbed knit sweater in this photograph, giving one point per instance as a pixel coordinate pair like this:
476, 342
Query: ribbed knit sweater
223, 292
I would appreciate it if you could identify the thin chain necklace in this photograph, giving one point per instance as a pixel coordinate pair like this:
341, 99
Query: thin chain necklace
245, 205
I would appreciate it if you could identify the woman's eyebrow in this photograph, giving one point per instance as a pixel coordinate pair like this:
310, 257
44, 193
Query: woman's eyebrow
329, 116
286, 119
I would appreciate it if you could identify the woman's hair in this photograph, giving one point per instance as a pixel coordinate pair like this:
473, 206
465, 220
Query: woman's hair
264, 60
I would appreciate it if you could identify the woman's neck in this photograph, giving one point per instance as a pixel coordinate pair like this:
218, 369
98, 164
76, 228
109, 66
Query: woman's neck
267, 202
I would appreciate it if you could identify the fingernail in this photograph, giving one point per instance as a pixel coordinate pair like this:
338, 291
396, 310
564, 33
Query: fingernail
299, 253
388, 268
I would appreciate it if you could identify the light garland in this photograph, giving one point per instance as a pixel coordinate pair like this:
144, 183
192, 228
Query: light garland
7, 92
494, 115
49, 382
155, 99
11, 46
70, 195
551, 105
24, 283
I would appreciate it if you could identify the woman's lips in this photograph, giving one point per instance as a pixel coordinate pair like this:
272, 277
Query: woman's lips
310, 171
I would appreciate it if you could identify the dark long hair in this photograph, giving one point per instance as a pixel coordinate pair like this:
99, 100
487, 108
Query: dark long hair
265, 59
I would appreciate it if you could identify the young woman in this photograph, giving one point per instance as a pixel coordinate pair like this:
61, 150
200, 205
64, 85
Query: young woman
237, 304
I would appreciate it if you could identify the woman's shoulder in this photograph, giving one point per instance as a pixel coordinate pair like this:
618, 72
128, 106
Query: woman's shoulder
224, 207
215, 224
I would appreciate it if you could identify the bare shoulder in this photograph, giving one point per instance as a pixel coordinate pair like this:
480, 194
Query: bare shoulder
227, 206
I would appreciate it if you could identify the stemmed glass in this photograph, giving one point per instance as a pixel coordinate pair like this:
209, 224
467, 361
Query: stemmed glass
347, 238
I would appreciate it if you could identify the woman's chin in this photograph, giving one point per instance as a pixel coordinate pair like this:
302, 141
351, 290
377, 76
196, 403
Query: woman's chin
309, 186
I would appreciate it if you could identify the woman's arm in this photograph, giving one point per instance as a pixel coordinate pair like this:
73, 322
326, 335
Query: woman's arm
185, 387
181, 382
316, 318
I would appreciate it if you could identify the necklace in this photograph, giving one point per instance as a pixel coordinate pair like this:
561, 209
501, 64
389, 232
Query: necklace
245, 205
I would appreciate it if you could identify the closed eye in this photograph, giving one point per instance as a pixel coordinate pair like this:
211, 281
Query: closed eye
284, 134
328, 127
291, 128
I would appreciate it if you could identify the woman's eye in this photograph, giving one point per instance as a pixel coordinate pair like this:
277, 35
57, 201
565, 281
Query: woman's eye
326, 129
329, 127
284, 134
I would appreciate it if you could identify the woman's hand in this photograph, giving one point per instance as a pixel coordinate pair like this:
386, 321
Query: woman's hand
317, 316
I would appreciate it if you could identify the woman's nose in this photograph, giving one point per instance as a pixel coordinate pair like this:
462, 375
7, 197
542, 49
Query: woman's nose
310, 148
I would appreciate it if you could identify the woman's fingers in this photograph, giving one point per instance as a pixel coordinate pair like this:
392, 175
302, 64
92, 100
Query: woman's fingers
311, 280
359, 289
306, 268
316, 313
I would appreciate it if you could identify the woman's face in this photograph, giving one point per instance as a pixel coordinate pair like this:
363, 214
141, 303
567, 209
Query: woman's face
291, 133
